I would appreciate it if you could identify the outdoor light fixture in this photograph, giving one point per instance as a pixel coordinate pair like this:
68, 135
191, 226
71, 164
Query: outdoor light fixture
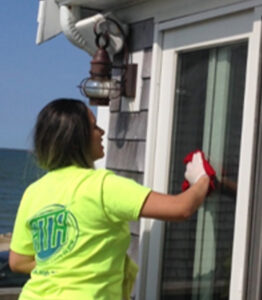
100, 88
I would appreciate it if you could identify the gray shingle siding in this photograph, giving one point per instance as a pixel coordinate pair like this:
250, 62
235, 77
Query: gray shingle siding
127, 130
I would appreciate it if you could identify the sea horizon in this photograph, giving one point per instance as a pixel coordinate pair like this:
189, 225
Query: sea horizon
18, 169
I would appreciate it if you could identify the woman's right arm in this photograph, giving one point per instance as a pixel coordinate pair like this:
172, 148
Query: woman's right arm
176, 207
181, 206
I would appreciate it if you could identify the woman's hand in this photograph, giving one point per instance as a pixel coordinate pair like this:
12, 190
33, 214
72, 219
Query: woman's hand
195, 169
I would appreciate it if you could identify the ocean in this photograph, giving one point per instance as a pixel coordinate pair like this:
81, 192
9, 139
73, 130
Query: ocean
17, 170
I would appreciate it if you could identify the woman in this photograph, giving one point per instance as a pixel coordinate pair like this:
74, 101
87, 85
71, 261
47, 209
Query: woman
71, 231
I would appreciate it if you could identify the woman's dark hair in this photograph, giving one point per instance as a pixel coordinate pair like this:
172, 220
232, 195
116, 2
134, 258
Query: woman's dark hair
62, 135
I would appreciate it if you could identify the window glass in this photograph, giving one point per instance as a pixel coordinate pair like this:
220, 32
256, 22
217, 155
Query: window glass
208, 115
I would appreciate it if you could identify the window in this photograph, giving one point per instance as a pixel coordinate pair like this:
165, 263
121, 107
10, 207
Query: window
207, 115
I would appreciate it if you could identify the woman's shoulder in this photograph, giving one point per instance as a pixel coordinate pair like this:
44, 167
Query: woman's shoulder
70, 174
80, 173
101, 173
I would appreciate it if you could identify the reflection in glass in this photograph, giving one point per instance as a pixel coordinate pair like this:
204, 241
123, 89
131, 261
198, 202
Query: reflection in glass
208, 116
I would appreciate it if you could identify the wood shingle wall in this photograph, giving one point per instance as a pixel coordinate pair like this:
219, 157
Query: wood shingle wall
127, 129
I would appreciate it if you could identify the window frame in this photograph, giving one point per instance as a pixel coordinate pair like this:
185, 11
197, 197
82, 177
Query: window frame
159, 139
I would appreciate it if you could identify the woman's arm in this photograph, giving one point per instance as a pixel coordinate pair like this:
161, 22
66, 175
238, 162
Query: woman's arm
21, 263
176, 207
181, 206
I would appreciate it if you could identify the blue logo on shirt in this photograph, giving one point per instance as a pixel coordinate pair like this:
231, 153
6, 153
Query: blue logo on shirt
55, 232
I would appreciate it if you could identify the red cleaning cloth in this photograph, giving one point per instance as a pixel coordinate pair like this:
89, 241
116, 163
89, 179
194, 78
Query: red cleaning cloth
208, 168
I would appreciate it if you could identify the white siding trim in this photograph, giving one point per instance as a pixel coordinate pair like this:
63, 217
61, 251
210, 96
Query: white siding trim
102, 121
145, 224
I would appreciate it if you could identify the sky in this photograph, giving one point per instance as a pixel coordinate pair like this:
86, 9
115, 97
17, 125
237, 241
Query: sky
32, 75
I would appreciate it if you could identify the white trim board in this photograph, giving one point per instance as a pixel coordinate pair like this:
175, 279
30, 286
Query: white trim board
209, 14
103, 122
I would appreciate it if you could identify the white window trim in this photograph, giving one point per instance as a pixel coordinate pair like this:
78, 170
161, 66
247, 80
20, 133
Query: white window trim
151, 235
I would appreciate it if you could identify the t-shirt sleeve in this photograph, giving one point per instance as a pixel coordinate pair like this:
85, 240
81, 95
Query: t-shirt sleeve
21, 241
123, 198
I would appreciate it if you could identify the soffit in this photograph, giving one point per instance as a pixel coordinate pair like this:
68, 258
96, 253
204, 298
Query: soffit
101, 4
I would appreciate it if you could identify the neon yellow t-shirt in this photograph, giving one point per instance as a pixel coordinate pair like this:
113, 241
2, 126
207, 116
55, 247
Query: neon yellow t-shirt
75, 222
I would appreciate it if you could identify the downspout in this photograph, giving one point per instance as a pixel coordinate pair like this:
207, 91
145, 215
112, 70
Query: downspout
80, 32
69, 16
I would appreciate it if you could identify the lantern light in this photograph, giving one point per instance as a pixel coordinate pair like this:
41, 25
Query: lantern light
100, 88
